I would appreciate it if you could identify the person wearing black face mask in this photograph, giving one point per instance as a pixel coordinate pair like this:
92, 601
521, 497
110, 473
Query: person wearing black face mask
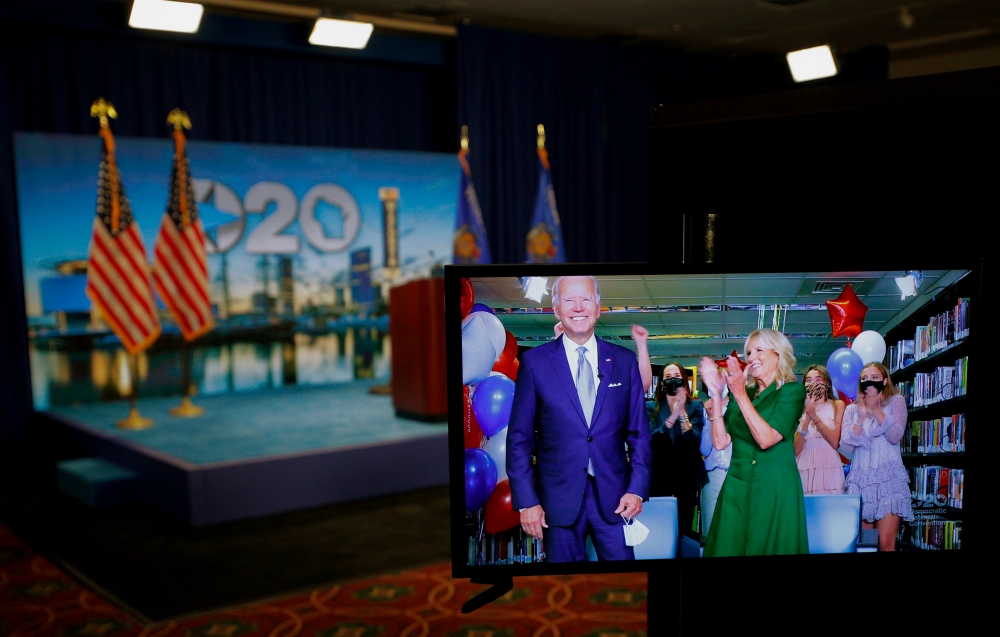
675, 426
872, 429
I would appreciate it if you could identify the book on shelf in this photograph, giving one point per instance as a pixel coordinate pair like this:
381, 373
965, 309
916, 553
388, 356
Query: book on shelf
900, 355
940, 435
935, 486
933, 533
941, 330
513, 546
944, 383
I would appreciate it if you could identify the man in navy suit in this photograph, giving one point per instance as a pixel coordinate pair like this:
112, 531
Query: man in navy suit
579, 410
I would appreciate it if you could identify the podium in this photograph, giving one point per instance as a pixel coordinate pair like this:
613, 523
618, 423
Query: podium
417, 332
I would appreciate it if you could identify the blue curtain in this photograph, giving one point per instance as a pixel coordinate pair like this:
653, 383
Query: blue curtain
594, 100
50, 76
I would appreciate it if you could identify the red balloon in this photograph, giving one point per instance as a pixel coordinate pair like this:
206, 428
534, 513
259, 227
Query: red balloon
468, 297
721, 362
506, 363
470, 427
847, 313
847, 399
499, 510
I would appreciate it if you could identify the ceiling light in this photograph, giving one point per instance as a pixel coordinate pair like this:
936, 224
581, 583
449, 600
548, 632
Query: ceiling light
166, 15
909, 283
812, 64
343, 33
534, 287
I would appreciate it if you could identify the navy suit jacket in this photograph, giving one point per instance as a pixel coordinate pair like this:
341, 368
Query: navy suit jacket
546, 402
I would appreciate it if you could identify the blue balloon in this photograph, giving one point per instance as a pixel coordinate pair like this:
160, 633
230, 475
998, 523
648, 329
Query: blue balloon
480, 478
491, 402
845, 366
481, 307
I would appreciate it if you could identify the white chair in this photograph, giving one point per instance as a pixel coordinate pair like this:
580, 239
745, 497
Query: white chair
833, 523
660, 517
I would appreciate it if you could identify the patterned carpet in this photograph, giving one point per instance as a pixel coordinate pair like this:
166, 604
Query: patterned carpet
39, 599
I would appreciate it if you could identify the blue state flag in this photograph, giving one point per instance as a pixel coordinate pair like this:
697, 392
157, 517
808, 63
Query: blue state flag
471, 246
545, 243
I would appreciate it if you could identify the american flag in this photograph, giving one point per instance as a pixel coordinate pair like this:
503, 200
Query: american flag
180, 263
117, 270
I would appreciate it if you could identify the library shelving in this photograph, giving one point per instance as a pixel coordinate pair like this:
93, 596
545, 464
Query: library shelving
928, 357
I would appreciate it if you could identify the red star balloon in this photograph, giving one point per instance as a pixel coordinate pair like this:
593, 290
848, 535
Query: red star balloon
847, 313
721, 362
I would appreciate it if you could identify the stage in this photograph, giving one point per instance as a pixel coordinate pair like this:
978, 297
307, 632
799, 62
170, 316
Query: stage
265, 451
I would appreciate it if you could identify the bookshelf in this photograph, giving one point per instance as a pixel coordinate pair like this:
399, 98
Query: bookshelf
928, 361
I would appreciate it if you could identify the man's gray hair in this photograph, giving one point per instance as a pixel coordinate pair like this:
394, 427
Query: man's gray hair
555, 288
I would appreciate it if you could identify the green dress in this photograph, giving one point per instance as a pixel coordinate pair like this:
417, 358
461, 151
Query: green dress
761, 510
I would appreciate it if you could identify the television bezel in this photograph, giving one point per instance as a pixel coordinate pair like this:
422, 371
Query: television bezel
952, 561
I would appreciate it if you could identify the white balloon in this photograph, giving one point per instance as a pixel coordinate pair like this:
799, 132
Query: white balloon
478, 353
870, 346
497, 448
498, 335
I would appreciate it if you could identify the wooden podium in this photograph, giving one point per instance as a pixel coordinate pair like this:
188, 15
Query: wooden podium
417, 331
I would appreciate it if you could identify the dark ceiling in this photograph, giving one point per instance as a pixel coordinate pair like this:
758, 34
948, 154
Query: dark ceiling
908, 28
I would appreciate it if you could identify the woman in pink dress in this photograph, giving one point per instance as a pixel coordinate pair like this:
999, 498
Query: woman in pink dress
818, 436
873, 427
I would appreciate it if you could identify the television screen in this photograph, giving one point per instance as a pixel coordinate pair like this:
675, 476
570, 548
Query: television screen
607, 417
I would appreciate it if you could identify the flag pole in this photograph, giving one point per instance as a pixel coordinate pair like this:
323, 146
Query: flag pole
102, 110
134, 420
186, 409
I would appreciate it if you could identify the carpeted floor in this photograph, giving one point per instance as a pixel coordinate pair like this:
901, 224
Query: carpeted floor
37, 598
159, 568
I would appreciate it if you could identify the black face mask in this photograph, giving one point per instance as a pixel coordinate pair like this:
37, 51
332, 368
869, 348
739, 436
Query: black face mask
879, 385
671, 385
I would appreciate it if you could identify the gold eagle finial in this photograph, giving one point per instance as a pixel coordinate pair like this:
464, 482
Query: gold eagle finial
103, 109
179, 118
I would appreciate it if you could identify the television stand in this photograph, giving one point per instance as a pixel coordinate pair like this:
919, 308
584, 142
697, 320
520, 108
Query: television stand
500, 588
663, 602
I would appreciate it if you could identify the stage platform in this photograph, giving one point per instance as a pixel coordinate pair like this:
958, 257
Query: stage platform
265, 451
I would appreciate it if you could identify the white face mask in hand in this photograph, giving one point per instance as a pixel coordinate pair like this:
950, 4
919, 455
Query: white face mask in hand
635, 531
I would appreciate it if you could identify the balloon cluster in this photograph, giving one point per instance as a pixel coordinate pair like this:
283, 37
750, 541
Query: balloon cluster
489, 369
847, 316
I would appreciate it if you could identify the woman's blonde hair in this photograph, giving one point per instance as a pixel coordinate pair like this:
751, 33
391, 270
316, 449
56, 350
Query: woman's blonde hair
825, 375
890, 388
779, 343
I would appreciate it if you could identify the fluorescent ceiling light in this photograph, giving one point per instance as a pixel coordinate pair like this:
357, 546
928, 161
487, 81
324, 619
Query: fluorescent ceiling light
812, 64
166, 15
343, 33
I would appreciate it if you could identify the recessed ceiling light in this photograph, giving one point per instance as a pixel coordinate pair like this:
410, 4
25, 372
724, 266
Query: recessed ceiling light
166, 15
812, 64
346, 34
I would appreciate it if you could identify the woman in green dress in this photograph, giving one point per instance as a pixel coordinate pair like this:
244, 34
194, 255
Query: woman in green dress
760, 510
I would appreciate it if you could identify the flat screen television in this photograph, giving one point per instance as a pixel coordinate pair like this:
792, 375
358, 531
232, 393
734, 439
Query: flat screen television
913, 322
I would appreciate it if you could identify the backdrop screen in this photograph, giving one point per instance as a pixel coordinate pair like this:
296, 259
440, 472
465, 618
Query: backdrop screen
303, 245
853, 441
